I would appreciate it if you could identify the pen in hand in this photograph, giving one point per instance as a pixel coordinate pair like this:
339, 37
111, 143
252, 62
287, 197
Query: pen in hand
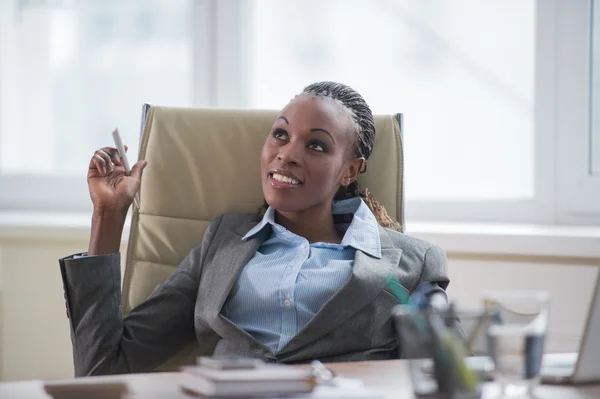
121, 149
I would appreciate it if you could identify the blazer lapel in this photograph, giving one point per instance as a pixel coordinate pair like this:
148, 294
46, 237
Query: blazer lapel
368, 279
231, 257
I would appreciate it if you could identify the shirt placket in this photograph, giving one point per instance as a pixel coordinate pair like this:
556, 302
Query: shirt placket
289, 322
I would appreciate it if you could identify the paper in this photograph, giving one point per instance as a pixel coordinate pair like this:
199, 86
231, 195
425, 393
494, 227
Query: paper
347, 388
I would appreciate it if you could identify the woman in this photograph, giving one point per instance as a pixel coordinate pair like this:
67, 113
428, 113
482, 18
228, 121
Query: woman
305, 280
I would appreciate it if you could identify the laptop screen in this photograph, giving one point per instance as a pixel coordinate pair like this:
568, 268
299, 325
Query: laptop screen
588, 367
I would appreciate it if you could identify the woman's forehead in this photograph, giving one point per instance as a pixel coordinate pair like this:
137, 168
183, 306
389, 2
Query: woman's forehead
308, 110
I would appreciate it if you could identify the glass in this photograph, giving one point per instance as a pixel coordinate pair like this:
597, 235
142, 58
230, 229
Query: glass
438, 348
72, 71
469, 105
516, 336
595, 108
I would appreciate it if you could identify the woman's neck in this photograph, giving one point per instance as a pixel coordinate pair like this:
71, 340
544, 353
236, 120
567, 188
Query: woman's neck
316, 225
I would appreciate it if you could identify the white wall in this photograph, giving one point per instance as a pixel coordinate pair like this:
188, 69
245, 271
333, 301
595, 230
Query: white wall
34, 333
35, 337
570, 285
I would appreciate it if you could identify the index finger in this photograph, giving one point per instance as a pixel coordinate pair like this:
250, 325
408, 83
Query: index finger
113, 154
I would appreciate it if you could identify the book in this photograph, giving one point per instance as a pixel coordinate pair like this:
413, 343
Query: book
260, 381
69, 389
229, 362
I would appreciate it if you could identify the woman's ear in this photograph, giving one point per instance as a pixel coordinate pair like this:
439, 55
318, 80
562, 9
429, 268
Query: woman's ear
353, 168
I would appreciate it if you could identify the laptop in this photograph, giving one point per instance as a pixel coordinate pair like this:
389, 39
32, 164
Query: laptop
582, 367
563, 368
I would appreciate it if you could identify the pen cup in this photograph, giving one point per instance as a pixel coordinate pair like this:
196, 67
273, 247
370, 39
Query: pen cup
436, 345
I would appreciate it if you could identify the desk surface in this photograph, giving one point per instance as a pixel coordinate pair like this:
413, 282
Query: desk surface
388, 377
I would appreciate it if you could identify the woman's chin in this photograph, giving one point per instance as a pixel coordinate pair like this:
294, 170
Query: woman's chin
283, 203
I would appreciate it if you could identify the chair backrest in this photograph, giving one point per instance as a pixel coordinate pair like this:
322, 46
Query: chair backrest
205, 162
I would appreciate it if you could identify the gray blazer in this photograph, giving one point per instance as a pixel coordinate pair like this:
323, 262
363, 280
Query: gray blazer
354, 325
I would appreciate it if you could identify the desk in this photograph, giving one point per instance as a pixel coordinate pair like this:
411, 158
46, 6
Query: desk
389, 377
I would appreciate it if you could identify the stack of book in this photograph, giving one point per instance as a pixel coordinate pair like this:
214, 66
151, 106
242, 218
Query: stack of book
260, 381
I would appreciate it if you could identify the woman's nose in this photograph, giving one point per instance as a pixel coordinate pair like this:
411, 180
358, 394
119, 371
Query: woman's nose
289, 154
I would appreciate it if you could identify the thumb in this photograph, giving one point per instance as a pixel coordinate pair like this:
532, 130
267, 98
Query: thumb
137, 170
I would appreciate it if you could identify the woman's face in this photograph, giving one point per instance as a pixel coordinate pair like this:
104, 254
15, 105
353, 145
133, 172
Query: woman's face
308, 154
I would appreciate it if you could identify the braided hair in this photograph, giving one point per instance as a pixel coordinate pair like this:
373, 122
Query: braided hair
364, 133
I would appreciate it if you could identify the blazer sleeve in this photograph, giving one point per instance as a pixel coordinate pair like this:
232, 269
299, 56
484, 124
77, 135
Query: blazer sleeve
435, 271
156, 329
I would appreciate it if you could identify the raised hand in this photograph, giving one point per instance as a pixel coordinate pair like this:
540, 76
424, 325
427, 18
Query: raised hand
110, 188
112, 193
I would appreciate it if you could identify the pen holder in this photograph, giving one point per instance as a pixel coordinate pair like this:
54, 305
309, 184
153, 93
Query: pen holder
436, 345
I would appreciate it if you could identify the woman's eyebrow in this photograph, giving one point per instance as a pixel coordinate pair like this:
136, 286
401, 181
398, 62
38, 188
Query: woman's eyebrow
312, 130
324, 131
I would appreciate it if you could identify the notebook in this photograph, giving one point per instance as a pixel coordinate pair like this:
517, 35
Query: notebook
259, 381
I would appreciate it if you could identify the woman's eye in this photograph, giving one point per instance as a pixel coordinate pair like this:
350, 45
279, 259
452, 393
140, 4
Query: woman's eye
279, 134
316, 147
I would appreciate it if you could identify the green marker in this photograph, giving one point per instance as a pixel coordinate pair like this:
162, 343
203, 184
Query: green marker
398, 291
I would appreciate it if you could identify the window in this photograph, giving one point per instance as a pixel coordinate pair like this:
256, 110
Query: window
494, 117
497, 119
577, 92
595, 131
469, 105
469, 100
72, 71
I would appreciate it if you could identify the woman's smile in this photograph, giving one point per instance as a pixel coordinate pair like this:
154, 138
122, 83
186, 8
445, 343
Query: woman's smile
281, 179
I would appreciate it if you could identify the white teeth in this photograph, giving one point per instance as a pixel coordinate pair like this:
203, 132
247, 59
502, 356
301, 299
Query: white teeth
284, 179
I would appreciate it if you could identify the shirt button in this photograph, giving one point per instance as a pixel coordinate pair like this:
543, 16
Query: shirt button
287, 303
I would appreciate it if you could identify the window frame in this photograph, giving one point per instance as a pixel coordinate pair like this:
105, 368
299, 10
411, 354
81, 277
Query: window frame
578, 191
221, 49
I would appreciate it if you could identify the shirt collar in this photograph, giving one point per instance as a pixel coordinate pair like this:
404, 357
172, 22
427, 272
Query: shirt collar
362, 233
268, 219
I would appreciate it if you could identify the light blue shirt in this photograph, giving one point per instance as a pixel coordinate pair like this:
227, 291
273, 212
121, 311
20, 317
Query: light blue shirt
288, 280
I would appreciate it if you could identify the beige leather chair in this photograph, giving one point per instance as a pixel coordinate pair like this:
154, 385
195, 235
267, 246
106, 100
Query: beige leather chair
205, 162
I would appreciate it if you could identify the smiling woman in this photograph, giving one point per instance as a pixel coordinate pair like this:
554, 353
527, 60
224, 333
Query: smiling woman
312, 162
342, 125
294, 284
